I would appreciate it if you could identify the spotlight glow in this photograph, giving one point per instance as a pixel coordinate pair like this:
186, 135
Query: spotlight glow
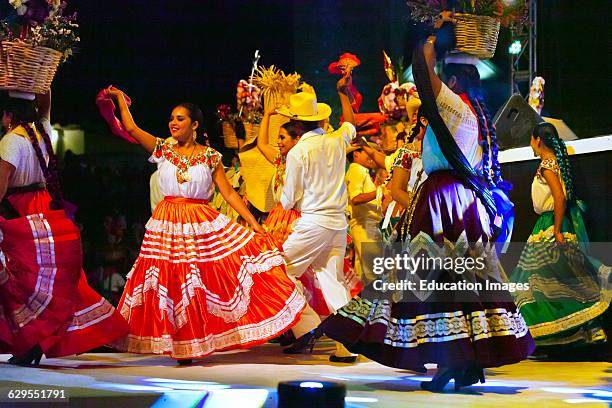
515, 48
311, 384
579, 401
360, 399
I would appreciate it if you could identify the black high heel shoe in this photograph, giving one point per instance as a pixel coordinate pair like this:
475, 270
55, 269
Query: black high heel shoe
469, 376
31, 358
347, 360
440, 380
306, 342
285, 339
185, 362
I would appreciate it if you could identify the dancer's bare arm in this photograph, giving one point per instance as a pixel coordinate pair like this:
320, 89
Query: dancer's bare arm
559, 202
43, 104
347, 109
429, 52
233, 198
6, 172
146, 140
399, 183
263, 140
378, 157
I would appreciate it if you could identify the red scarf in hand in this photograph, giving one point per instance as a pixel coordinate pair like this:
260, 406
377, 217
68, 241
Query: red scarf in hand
106, 106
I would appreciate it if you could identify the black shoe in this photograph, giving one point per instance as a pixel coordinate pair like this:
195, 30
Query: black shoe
285, 339
31, 358
469, 376
440, 380
185, 362
348, 359
304, 343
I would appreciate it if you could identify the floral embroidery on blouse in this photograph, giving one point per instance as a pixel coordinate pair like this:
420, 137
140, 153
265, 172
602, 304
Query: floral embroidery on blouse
405, 157
209, 157
549, 164
280, 163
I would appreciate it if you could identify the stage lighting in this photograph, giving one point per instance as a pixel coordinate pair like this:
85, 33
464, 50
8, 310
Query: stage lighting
515, 48
311, 394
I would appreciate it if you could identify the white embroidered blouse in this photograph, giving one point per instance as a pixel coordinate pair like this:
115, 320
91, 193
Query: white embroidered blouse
16, 148
463, 126
180, 176
541, 195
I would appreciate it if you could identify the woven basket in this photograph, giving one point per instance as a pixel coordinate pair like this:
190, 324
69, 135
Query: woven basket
26, 68
229, 135
251, 131
476, 35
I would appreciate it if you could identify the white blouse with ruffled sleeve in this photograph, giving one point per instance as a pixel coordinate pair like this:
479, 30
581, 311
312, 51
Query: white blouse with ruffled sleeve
16, 149
541, 194
189, 177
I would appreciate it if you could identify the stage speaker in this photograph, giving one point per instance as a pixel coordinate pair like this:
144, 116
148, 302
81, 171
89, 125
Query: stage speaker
565, 133
514, 123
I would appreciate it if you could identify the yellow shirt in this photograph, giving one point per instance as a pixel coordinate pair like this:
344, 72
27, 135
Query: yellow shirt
358, 181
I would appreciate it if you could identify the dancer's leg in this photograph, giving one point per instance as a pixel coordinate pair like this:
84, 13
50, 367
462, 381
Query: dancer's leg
329, 268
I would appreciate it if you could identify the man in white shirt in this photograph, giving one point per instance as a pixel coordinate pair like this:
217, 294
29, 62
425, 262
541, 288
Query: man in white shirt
315, 185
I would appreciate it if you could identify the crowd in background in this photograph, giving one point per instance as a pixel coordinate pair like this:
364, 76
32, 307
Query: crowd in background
112, 208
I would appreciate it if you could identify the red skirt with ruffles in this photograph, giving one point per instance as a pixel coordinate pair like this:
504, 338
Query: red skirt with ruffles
203, 283
45, 297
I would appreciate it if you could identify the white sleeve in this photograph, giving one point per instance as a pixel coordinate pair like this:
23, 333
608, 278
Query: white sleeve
157, 156
348, 132
453, 110
13, 148
294, 182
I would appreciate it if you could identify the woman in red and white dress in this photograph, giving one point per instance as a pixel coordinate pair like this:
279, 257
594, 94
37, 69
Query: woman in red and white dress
46, 305
201, 283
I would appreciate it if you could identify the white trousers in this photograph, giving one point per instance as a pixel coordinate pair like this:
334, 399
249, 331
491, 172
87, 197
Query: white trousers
323, 249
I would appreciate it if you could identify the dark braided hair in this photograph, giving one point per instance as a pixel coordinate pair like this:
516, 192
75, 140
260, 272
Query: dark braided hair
416, 129
23, 113
50, 171
468, 81
549, 136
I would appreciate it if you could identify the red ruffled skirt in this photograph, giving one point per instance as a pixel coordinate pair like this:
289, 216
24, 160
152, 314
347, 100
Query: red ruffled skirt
279, 224
44, 295
203, 283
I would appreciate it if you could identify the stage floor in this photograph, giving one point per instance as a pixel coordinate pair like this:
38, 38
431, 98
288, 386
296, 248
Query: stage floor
248, 378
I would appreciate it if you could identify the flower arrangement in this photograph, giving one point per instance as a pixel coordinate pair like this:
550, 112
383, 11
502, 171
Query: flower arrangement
536, 94
393, 99
248, 101
41, 23
508, 12
346, 62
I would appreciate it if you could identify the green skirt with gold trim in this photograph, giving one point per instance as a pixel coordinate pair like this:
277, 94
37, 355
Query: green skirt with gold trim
565, 300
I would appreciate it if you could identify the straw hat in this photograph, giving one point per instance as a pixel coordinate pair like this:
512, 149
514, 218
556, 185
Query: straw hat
352, 149
303, 106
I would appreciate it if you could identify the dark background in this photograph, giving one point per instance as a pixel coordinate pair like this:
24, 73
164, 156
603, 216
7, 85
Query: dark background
165, 52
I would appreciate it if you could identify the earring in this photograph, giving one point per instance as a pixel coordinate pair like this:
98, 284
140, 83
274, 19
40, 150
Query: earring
195, 136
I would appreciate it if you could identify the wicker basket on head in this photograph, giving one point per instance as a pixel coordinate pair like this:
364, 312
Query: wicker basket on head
476, 35
26, 68
229, 135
